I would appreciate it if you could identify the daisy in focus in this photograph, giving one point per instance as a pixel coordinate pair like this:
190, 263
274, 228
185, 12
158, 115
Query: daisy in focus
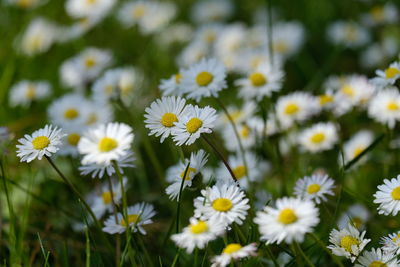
105, 143
391, 243
377, 257
319, 137
177, 173
138, 216
232, 252
347, 242
224, 203
315, 187
197, 234
203, 79
163, 114
388, 76
43, 142
289, 221
194, 122
388, 196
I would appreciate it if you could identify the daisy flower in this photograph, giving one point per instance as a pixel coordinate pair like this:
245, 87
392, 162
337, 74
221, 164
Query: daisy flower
232, 252
197, 234
247, 135
25, 92
194, 122
105, 143
388, 76
391, 243
71, 140
238, 115
261, 82
225, 203
357, 215
377, 257
132, 12
43, 142
319, 137
388, 196
98, 170
175, 174
381, 14
192, 54
68, 111
295, 107
206, 11
163, 114
255, 170
171, 86
204, 79
289, 221
84, 9
357, 144
385, 106
288, 37
348, 34
347, 242
138, 216
314, 187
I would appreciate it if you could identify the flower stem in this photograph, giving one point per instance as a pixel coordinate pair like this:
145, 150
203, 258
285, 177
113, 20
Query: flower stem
220, 156
118, 238
300, 250
178, 209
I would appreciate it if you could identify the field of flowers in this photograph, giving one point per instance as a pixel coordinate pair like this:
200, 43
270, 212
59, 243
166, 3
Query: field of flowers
199, 133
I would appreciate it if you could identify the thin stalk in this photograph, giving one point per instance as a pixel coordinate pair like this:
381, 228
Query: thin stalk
221, 157
296, 255
115, 211
87, 247
271, 256
196, 255
178, 209
323, 246
144, 249
269, 33
176, 257
309, 262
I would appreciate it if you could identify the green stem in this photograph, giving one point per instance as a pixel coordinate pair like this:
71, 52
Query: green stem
176, 258
118, 238
323, 246
300, 250
178, 209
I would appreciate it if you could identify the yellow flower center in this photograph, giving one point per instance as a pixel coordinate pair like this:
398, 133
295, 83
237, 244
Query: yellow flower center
71, 114
178, 78
358, 150
391, 72
257, 79
377, 264
132, 218
204, 78
91, 2
107, 144
90, 62
187, 177
392, 106
357, 222
313, 188
107, 197
287, 216
396, 238
40, 142
193, 125
377, 13
108, 89
325, 99
198, 228
351, 33
139, 11
291, 108
347, 90
30, 92
168, 119
92, 118
240, 171
73, 139
317, 138
280, 46
348, 241
222, 204
231, 248
24, 3
396, 193
245, 131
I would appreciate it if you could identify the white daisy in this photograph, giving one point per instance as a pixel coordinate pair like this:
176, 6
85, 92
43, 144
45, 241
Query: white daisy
388, 196
347, 242
319, 137
295, 107
94, 116
25, 92
376, 258
194, 122
176, 173
138, 215
132, 12
163, 114
192, 54
42, 142
232, 252
289, 221
255, 171
68, 111
288, 37
357, 144
381, 14
88, 8
385, 106
225, 203
98, 170
357, 215
348, 34
208, 33
247, 135
388, 76
206, 11
314, 187
204, 79
197, 234
238, 115
105, 143
171, 86
261, 82
391, 243
71, 140
158, 17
